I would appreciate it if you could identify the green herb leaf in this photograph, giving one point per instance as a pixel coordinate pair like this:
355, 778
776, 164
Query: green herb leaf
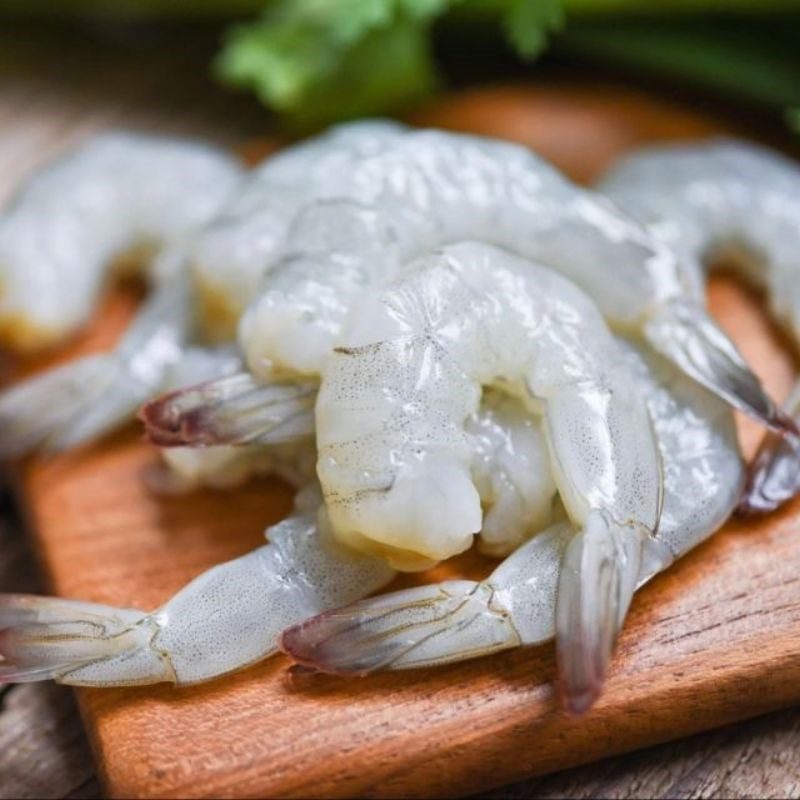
528, 23
320, 60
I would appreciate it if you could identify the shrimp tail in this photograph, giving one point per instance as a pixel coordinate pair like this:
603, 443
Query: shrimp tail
85, 399
236, 409
63, 407
597, 580
774, 476
44, 638
687, 336
416, 627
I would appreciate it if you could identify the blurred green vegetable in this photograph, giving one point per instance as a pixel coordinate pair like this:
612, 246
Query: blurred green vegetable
756, 59
314, 61
318, 60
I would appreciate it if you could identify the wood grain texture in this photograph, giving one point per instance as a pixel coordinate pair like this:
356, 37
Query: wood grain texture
755, 759
711, 641
43, 750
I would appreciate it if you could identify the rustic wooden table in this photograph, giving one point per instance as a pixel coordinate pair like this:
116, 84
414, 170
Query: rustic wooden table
56, 86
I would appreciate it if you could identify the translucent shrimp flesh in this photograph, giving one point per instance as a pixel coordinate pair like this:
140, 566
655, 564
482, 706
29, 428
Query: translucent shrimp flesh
123, 192
517, 604
118, 194
224, 620
394, 461
231, 254
59, 239
509, 460
231, 616
723, 201
431, 188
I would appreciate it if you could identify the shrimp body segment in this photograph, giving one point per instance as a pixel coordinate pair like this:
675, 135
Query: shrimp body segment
232, 253
739, 203
394, 461
432, 188
226, 619
117, 194
720, 199
703, 473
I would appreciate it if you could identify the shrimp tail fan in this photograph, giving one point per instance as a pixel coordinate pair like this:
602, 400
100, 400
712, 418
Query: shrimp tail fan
774, 476
43, 638
598, 577
413, 628
233, 410
686, 335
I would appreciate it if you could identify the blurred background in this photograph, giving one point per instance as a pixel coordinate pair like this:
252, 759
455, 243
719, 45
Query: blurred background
308, 62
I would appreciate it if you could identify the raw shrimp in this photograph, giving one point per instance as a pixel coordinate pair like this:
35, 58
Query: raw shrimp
394, 461
231, 254
58, 240
231, 616
224, 620
738, 204
516, 605
432, 188
118, 194
122, 191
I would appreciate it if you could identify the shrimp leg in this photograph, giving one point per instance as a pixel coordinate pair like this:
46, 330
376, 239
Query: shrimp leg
394, 459
224, 620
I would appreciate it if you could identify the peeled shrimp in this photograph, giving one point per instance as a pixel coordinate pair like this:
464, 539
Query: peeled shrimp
231, 616
737, 203
121, 192
58, 242
224, 620
516, 604
231, 254
431, 188
394, 461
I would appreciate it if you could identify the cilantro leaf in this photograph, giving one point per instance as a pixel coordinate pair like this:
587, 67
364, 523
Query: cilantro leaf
528, 22
315, 61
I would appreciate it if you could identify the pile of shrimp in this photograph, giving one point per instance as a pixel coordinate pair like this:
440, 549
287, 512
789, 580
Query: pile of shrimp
437, 339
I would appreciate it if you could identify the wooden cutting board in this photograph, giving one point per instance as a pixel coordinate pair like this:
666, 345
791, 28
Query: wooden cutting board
716, 639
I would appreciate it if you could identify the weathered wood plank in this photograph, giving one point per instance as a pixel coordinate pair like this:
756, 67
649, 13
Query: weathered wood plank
749, 760
43, 749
